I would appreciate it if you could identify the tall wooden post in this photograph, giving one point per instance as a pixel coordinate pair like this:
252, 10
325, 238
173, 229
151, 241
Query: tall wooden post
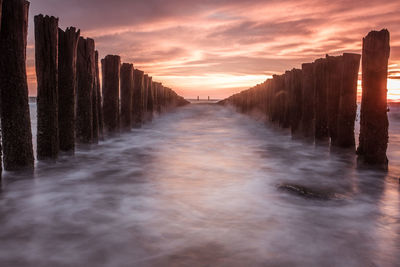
150, 100
321, 102
85, 77
286, 95
348, 101
308, 101
1, 6
67, 54
145, 96
1, 151
279, 98
157, 87
111, 77
99, 98
126, 95
274, 103
137, 99
95, 101
334, 69
15, 117
295, 100
374, 120
46, 59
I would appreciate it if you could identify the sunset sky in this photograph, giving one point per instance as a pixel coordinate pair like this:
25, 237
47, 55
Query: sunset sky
217, 48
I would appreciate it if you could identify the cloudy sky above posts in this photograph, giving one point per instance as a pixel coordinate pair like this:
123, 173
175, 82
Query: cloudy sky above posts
216, 48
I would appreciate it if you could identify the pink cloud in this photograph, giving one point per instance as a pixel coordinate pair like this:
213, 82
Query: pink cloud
221, 47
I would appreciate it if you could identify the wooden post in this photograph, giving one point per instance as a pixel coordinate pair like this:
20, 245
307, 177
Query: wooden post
145, 96
15, 117
374, 120
1, 6
321, 102
295, 100
334, 69
67, 54
278, 98
286, 95
126, 96
273, 103
85, 77
99, 98
157, 97
1, 152
308, 101
46, 59
348, 101
138, 94
269, 99
150, 100
95, 101
111, 77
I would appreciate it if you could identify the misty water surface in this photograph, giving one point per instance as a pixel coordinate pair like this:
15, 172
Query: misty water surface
198, 187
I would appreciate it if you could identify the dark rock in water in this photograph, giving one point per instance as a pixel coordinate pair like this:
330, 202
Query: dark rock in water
310, 193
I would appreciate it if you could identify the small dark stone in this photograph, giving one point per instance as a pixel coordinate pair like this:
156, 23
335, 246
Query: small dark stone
310, 193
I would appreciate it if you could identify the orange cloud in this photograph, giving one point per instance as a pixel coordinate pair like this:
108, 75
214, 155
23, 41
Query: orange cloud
219, 47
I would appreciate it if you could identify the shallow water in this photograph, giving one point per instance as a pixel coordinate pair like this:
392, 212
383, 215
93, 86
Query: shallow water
198, 187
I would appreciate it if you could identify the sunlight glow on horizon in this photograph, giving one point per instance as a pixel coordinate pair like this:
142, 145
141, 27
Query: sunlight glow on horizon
219, 48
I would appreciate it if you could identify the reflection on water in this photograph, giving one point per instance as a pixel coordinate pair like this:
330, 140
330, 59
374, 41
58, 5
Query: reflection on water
198, 187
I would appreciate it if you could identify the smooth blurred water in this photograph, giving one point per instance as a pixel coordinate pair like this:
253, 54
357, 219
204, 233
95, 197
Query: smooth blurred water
198, 187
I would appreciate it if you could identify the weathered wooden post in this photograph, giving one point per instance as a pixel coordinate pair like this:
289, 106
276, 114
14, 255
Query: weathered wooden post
95, 111
1, 6
111, 77
145, 96
334, 69
137, 99
1, 152
273, 103
126, 95
162, 98
285, 121
46, 59
321, 102
99, 98
348, 102
295, 100
279, 99
15, 117
150, 100
157, 95
67, 54
308, 101
85, 77
269, 99
374, 121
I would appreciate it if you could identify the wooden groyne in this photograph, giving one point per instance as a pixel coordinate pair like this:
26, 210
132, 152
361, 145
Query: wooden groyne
73, 105
319, 102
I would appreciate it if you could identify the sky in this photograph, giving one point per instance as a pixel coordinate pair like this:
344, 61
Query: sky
219, 47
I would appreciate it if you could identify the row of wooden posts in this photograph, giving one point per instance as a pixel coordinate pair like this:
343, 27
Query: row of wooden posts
319, 101
71, 108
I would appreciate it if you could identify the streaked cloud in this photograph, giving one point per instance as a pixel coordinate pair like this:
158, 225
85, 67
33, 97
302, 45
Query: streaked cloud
218, 47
